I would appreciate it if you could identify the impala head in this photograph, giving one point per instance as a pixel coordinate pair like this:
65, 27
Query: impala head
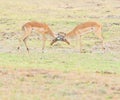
60, 37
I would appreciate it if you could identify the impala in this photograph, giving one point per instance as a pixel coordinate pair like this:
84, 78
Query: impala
80, 30
40, 28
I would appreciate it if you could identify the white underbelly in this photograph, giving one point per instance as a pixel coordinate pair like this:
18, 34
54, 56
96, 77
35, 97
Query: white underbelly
86, 30
38, 29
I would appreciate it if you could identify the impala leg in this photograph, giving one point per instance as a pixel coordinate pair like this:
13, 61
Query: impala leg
102, 40
77, 42
76, 39
99, 35
24, 40
80, 44
20, 43
27, 32
43, 43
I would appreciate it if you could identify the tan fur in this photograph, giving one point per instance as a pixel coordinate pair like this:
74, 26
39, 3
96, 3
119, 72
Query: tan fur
41, 28
86, 28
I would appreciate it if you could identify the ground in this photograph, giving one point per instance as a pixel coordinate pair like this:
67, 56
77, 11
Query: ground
61, 73
36, 84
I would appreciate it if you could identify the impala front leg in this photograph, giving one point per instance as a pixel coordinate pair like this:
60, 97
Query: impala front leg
43, 43
100, 36
80, 43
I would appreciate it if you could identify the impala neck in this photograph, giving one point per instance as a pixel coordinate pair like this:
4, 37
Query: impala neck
70, 34
51, 33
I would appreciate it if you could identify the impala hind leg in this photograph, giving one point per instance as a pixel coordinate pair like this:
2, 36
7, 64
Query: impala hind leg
23, 39
27, 31
20, 43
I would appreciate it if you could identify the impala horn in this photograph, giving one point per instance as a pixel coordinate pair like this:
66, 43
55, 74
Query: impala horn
60, 37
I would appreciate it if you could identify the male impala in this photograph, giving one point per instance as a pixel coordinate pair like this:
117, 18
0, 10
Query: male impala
82, 29
41, 28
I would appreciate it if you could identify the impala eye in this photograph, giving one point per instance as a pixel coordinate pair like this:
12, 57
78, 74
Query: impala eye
58, 38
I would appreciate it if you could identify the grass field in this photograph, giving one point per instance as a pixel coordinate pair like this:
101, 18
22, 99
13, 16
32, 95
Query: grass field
61, 73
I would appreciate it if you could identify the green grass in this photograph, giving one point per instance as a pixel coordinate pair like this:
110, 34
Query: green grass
60, 18
64, 83
62, 61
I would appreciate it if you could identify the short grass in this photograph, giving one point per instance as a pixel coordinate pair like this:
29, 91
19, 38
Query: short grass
60, 15
63, 61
